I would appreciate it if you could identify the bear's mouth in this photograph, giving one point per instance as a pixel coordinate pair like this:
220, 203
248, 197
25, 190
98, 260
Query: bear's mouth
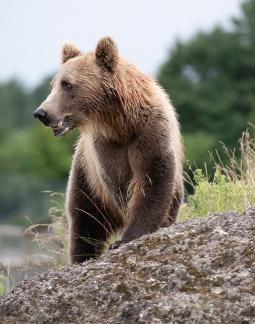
61, 128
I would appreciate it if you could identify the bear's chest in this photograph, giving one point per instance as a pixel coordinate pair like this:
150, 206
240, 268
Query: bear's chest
111, 167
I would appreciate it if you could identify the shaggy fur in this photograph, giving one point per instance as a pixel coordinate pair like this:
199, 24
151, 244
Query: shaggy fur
127, 167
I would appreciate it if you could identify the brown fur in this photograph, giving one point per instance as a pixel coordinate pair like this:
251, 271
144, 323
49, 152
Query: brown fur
127, 168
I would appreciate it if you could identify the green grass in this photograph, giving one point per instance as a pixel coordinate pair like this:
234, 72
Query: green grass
232, 187
2, 285
3, 279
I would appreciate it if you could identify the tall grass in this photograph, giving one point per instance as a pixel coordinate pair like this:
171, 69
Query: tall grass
52, 238
232, 186
3, 279
2, 285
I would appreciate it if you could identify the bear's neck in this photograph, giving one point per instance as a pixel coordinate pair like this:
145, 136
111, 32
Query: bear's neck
129, 105
130, 99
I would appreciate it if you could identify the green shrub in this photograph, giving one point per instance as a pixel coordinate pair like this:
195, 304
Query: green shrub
2, 287
232, 187
197, 145
3, 279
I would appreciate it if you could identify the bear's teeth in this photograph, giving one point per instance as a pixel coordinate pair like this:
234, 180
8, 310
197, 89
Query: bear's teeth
64, 131
60, 124
61, 128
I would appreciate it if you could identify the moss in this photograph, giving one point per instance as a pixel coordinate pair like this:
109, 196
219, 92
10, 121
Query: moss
187, 288
194, 272
205, 307
224, 260
124, 289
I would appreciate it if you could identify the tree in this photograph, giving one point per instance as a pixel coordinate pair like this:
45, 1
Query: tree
211, 80
13, 105
31, 158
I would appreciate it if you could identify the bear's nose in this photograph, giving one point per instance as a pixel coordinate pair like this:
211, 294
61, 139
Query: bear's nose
41, 115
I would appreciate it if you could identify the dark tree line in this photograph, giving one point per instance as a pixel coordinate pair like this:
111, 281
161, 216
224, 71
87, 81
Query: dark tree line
211, 79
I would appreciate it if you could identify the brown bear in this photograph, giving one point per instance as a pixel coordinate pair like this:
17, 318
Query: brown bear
126, 173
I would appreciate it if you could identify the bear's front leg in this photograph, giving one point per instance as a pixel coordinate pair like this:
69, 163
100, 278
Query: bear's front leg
152, 187
90, 224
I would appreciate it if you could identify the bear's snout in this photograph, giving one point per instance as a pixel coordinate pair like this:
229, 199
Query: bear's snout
42, 116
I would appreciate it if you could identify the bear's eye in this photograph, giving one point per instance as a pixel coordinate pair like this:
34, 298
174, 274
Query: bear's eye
66, 85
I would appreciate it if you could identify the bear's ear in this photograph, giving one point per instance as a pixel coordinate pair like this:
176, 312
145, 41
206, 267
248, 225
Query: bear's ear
107, 53
69, 51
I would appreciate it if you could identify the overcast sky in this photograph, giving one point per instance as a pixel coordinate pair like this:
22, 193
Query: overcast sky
32, 31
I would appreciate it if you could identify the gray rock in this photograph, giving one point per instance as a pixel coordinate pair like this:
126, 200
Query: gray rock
199, 271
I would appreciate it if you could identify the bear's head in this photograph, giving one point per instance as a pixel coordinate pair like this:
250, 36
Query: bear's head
82, 88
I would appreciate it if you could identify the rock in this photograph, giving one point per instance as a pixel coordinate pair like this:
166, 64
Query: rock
199, 271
